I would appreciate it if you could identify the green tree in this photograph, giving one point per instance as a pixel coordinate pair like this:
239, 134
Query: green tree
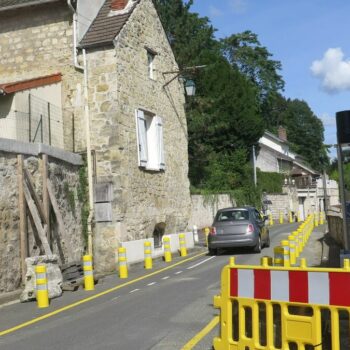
244, 51
305, 132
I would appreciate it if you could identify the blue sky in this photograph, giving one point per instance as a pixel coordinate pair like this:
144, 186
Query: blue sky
311, 38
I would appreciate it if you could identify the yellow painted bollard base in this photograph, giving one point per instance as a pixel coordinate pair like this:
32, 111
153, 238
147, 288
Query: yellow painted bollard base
167, 257
183, 252
89, 283
148, 263
42, 297
123, 272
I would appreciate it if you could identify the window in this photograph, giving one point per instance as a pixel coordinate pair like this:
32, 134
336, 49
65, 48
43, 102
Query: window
150, 140
150, 58
233, 215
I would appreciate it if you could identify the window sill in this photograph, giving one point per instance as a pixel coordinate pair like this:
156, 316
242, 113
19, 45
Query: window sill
153, 170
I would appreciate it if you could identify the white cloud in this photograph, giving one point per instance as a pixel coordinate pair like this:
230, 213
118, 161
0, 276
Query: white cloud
214, 11
327, 120
333, 70
238, 6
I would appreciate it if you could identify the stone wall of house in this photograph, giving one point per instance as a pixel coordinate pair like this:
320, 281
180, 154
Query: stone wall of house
204, 209
65, 180
120, 84
37, 41
266, 160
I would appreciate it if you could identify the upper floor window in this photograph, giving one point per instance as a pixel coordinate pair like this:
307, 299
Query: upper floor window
151, 55
150, 140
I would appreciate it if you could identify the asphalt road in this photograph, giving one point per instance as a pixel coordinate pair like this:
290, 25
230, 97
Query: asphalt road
162, 311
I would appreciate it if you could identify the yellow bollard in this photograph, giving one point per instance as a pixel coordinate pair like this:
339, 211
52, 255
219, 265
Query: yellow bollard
290, 217
281, 217
286, 254
296, 240
89, 283
42, 293
321, 218
266, 261
123, 265
147, 248
316, 219
206, 232
278, 254
183, 249
270, 220
167, 250
292, 254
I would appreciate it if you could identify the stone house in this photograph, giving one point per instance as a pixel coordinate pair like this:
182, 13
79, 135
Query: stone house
303, 190
93, 75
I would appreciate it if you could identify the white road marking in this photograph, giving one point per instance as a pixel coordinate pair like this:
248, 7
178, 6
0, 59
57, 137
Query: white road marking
151, 284
165, 278
200, 263
134, 290
178, 272
115, 298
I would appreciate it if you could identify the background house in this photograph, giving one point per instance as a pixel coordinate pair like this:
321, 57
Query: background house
52, 50
303, 186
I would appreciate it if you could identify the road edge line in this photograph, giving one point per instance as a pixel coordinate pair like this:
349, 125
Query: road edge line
200, 335
93, 297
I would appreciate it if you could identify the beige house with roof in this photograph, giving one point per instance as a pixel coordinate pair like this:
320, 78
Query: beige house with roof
90, 74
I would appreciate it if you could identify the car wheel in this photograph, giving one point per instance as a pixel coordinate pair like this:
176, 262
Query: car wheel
212, 251
257, 248
267, 244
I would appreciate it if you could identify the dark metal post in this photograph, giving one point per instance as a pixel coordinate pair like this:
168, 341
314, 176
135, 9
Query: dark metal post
73, 131
30, 118
49, 120
342, 196
254, 167
41, 128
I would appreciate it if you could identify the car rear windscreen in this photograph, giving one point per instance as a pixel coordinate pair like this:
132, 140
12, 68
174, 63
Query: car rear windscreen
233, 215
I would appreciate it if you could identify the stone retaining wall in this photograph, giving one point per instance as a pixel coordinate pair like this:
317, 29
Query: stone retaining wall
204, 208
65, 180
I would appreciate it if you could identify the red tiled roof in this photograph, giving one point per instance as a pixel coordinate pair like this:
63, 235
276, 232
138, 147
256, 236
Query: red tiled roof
105, 27
9, 88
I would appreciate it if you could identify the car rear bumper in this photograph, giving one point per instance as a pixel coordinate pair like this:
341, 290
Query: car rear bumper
232, 241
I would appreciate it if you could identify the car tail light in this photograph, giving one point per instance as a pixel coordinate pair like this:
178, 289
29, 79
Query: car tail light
250, 228
213, 231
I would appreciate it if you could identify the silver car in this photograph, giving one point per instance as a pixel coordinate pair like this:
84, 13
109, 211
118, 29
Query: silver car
238, 227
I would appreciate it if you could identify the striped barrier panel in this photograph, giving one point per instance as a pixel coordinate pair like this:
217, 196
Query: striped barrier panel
264, 307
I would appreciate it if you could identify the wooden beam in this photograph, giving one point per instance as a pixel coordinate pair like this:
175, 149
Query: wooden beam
59, 218
36, 218
22, 217
36, 236
55, 206
37, 201
46, 199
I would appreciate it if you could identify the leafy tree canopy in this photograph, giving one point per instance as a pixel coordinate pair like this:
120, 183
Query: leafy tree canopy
238, 97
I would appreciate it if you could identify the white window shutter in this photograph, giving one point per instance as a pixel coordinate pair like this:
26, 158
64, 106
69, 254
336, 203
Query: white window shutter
141, 138
160, 143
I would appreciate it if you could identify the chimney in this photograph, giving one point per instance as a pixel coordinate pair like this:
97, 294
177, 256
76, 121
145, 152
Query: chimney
117, 5
282, 133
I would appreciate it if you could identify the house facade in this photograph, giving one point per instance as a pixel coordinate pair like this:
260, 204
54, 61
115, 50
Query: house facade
304, 188
99, 65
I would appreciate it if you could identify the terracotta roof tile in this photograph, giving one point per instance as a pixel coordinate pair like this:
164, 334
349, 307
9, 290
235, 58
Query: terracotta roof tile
105, 28
9, 88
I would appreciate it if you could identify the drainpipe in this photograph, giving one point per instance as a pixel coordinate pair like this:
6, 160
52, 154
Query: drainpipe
88, 151
75, 50
84, 68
